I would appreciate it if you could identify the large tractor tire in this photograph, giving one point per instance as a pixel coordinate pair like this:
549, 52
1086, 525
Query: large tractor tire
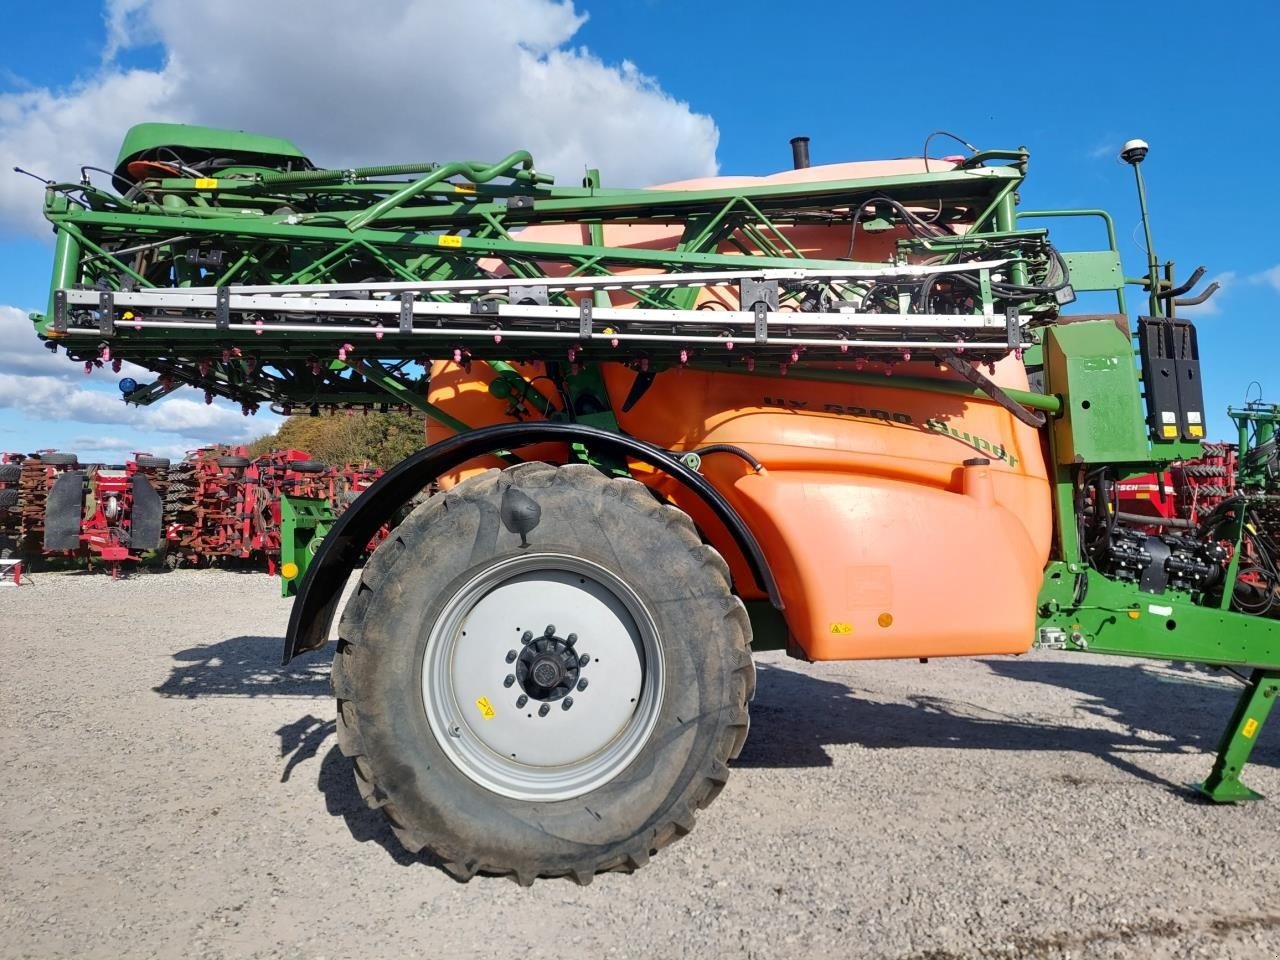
543, 673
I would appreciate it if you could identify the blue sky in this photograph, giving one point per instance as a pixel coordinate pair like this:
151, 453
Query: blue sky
651, 91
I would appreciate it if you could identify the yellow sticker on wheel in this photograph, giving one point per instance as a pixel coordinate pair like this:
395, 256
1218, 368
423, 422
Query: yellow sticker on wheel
1250, 728
448, 240
206, 183
842, 628
485, 708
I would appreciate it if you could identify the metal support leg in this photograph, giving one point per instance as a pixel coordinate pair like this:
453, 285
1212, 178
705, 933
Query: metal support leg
1223, 785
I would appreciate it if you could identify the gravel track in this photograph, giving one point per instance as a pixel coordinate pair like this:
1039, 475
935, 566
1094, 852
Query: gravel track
166, 790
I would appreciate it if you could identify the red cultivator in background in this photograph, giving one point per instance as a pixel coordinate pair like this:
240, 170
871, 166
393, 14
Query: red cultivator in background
215, 506
51, 505
122, 514
1184, 494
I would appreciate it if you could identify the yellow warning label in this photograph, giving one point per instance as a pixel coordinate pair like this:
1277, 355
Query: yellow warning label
1197, 431
485, 708
1169, 431
842, 628
206, 183
447, 240
464, 188
1250, 728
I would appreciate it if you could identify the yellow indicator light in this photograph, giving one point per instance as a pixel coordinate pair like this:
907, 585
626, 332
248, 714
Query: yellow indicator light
1134, 614
289, 570
885, 619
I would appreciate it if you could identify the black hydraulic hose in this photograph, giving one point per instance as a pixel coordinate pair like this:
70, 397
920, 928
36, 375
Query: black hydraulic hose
1154, 521
756, 465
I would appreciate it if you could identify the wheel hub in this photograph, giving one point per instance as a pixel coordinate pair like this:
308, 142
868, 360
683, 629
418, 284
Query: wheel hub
547, 667
506, 693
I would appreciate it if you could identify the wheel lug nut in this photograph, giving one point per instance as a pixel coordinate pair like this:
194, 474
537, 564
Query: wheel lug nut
543, 710
550, 631
566, 703
582, 684
511, 656
528, 635
510, 679
521, 701
571, 639
583, 660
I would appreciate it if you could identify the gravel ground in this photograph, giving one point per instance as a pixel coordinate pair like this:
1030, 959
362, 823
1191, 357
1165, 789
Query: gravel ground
168, 791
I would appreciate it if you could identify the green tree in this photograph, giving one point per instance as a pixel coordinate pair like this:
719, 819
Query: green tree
382, 439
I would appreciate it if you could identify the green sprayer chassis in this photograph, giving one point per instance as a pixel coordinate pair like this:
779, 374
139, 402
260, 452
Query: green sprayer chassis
228, 263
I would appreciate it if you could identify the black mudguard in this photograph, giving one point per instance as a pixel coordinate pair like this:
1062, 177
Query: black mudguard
62, 511
146, 518
321, 586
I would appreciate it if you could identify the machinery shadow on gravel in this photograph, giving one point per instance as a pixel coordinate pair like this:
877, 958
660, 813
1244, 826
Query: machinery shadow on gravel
342, 799
246, 666
301, 741
796, 715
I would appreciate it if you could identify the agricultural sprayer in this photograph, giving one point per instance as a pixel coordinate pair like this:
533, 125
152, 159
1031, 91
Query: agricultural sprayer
843, 410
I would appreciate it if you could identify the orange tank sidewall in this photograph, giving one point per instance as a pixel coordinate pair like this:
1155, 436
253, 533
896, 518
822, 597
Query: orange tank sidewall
829, 450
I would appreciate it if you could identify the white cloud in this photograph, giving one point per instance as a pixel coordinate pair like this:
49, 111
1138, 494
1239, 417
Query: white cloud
23, 355
402, 81
1270, 277
51, 398
39, 385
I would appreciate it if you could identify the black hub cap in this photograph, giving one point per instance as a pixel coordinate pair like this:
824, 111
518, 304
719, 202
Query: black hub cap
547, 668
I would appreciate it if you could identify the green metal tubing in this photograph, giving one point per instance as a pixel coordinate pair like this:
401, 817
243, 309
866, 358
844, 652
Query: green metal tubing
258, 228
473, 171
1007, 219
1102, 215
1153, 267
310, 177
66, 271
85, 241
1033, 401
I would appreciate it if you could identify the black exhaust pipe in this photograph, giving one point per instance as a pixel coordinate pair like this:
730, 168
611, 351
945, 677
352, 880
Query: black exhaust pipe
799, 152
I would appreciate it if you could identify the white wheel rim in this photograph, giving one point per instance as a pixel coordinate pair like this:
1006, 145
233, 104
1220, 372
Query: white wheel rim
482, 678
